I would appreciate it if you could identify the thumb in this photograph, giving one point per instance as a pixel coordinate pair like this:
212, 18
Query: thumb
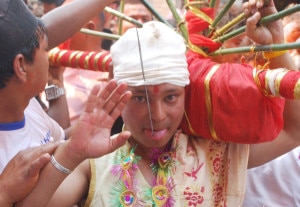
38, 164
119, 140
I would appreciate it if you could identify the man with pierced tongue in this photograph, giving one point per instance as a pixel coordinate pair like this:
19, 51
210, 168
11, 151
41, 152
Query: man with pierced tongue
160, 165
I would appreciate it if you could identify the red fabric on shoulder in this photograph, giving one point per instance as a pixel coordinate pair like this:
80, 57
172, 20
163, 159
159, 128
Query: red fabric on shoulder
240, 112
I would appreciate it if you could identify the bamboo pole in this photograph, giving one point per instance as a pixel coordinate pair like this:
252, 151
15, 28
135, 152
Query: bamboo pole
122, 3
263, 48
219, 17
228, 26
122, 16
212, 3
155, 14
104, 35
178, 19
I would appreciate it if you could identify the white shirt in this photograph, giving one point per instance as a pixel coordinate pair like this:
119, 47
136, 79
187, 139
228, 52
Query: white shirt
36, 129
276, 183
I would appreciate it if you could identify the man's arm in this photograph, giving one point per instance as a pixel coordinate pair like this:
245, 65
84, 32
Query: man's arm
273, 34
63, 21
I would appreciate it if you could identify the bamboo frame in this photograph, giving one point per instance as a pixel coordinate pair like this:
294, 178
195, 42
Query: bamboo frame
263, 20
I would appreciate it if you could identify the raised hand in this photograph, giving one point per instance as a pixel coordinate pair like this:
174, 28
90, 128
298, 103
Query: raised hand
271, 33
91, 135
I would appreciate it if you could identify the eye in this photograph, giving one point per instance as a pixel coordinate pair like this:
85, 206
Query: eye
140, 99
171, 98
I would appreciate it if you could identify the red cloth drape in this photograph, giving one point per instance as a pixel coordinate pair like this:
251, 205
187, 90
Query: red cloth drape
240, 111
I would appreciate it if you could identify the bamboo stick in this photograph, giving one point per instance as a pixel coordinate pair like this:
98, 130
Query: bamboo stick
123, 16
212, 3
228, 26
219, 17
263, 48
178, 19
104, 35
122, 3
155, 14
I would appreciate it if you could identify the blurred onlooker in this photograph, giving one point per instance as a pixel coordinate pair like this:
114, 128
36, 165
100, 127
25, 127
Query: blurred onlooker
77, 83
35, 6
136, 10
48, 5
292, 33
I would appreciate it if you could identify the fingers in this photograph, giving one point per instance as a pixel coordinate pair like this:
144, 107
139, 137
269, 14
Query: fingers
34, 153
253, 6
38, 157
119, 140
38, 164
251, 25
113, 99
92, 99
122, 103
117, 100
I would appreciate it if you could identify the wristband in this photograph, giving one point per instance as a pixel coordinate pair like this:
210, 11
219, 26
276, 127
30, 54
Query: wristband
274, 54
59, 166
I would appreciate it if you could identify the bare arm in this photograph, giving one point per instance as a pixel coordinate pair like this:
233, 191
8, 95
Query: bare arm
288, 138
58, 108
62, 22
78, 181
273, 34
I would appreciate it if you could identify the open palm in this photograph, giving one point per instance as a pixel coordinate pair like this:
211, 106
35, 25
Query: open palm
91, 135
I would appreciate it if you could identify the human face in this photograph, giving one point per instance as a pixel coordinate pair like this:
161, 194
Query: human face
138, 12
38, 69
167, 109
48, 7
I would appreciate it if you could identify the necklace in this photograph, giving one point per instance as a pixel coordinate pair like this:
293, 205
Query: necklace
125, 192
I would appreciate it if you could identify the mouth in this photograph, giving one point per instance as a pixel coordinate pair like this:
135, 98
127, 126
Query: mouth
156, 134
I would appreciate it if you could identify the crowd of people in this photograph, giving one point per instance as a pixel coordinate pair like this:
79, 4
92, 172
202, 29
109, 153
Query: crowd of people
117, 138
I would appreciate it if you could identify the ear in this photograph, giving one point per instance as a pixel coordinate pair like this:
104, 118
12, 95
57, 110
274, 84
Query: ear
91, 25
19, 66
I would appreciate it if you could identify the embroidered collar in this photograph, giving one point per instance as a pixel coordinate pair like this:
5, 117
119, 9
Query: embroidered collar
125, 167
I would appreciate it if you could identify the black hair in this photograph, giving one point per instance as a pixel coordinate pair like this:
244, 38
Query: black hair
56, 2
28, 51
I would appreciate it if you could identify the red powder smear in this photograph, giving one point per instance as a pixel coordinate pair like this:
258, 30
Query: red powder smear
155, 89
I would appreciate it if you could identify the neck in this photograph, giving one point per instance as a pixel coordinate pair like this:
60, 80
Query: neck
147, 153
11, 106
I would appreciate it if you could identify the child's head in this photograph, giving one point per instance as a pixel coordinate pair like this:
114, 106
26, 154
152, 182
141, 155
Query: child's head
160, 78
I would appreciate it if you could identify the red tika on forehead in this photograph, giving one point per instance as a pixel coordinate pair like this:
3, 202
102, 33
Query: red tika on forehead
155, 89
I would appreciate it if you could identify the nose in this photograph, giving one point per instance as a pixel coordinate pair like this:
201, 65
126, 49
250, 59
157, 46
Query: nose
158, 112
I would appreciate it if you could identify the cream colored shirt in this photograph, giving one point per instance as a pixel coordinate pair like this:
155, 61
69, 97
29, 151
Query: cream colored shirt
207, 173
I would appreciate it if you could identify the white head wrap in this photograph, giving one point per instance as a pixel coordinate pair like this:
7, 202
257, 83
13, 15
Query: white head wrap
163, 55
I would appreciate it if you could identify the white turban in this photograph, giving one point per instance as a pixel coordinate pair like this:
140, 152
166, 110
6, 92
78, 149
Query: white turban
163, 55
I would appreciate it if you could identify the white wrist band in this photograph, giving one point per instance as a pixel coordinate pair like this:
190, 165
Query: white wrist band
59, 166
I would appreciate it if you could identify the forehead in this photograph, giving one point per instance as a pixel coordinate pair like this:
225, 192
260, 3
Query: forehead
154, 89
130, 9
